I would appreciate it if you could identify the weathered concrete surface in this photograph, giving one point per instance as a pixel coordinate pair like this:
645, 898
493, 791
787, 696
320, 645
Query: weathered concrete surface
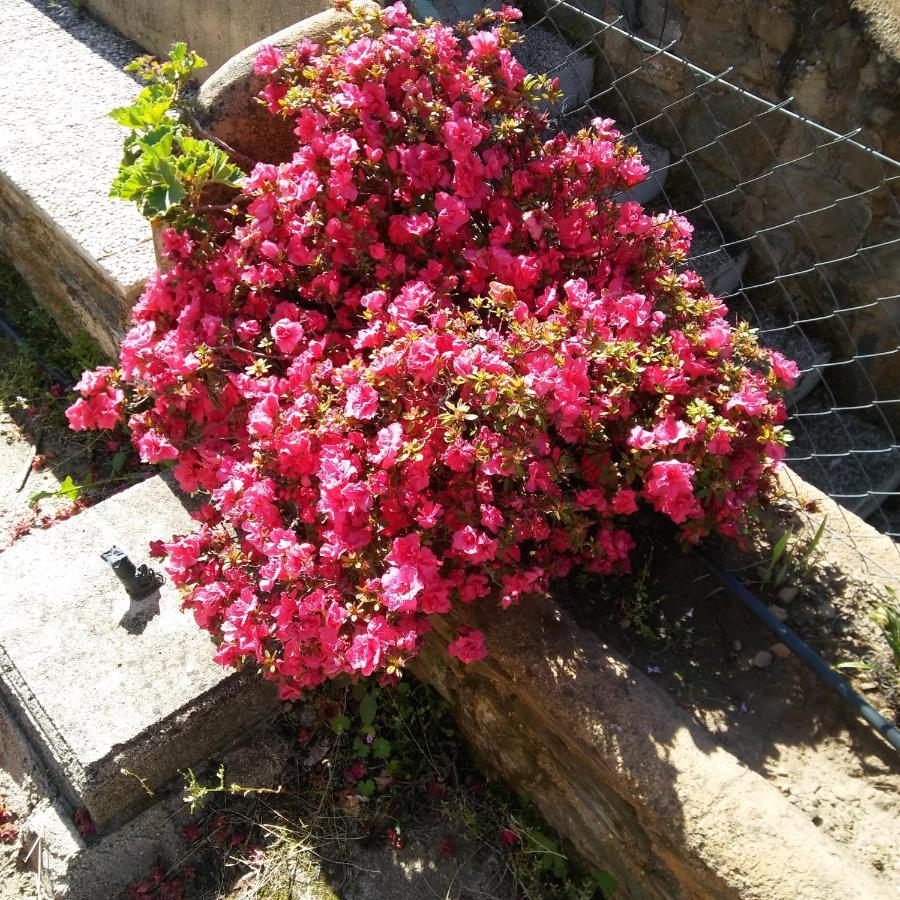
216, 29
226, 104
84, 255
635, 784
101, 684
66, 865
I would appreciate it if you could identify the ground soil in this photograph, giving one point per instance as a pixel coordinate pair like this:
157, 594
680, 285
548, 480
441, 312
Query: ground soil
677, 623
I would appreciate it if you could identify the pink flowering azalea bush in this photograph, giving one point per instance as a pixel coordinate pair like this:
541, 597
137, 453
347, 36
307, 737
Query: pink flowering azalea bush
429, 361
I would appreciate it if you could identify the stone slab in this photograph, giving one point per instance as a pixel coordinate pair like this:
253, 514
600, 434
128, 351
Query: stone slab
100, 683
64, 864
657, 158
84, 254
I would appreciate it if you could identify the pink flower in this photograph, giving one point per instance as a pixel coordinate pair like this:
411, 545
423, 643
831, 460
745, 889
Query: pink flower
267, 60
401, 585
785, 370
362, 402
624, 502
96, 381
670, 491
364, 655
452, 212
475, 545
468, 646
153, 448
389, 442
751, 399
483, 44
475, 368
719, 444
79, 416
287, 335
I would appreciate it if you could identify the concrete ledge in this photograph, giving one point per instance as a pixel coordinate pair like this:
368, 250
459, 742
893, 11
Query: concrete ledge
101, 685
84, 255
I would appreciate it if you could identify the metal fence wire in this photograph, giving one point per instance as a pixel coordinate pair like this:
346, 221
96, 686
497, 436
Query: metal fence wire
796, 226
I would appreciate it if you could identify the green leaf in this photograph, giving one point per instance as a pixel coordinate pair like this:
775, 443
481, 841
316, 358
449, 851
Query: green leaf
69, 489
368, 706
339, 724
155, 201
118, 462
381, 748
366, 788
606, 882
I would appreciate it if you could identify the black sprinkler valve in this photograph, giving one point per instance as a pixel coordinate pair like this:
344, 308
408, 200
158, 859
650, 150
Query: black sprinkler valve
138, 581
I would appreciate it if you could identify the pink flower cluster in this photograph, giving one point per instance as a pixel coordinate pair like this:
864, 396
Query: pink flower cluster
429, 361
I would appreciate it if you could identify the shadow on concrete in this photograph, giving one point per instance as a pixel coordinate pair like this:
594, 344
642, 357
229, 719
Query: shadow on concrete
139, 613
100, 39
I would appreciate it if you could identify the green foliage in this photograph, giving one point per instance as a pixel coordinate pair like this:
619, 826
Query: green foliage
788, 559
197, 794
887, 617
405, 740
21, 375
164, 169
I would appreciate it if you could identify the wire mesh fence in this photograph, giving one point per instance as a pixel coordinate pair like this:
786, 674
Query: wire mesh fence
797, 227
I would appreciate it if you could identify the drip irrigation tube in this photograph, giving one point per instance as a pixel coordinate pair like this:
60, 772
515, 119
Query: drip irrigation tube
839, 685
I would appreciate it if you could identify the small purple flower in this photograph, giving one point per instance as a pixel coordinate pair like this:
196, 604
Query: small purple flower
370, 738
653, 670
744, 708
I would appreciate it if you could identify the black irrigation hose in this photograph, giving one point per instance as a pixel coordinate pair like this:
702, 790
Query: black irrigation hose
7, 329
886, 729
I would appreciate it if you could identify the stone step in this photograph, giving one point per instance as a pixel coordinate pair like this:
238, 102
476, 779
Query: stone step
545, 51
116, 696
657, 158
720, 267
85, 255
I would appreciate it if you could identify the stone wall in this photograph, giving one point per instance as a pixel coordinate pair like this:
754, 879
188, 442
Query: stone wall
216, 29
839, 60
843, 70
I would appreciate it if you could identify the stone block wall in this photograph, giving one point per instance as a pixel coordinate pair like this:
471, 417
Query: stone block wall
843, 70
216, 29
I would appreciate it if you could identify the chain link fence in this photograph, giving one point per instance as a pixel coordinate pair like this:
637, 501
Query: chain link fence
797, 227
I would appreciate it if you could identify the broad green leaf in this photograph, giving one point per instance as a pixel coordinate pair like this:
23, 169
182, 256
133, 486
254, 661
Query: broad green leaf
118, 462
339, 724
606, 882
381, 748
69, 488
366, 788
368, 706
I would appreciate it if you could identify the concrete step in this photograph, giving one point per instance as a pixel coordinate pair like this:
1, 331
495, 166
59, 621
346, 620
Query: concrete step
720, 267
651, 187
85, 255
545, 51
111, 692
794, 342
